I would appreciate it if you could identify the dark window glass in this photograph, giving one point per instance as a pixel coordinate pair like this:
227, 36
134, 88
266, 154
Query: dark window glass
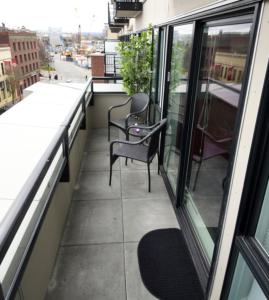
179, 77
224, 50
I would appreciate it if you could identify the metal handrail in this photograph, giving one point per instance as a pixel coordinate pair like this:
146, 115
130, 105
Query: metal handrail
14, 217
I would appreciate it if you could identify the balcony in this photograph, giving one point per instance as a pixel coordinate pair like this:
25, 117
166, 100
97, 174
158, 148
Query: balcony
58, 166
128, 9
115, 24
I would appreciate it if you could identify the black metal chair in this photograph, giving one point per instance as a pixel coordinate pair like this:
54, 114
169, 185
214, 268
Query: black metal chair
138, 113
143, 150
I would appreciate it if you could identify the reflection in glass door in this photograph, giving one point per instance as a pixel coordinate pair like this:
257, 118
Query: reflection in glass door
224, 54
180, 62
157, 72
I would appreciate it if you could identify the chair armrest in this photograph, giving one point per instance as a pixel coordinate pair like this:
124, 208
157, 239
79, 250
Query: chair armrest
218, 141
141, 127
116, 106
123, 142
221, 140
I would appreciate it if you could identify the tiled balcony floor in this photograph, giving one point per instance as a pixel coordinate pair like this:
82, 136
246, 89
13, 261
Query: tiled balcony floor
98, 254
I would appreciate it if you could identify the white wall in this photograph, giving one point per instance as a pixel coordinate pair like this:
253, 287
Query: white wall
158, 11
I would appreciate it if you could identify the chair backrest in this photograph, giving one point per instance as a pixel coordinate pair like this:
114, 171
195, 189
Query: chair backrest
154, 138
140, 102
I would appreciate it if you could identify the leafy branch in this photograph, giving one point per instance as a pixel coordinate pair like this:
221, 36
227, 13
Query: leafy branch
136, 60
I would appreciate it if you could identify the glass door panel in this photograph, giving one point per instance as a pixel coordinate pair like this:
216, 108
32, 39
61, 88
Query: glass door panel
262, 232
157, 73
180, 62
154, 78
244, 286
223, 59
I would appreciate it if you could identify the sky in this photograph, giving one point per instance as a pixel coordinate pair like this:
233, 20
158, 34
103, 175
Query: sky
67, 14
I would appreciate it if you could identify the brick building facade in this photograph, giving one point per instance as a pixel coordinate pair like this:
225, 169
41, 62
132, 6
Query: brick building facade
24, 53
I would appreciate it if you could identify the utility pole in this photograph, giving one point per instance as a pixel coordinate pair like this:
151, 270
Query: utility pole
79, 37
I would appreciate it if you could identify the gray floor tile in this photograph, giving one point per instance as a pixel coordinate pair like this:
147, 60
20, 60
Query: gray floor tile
98, 161
138, 165
143, 215
209, 182
94, 222
209, 209
97, 143
135, 185
114, 132
88, 272
134, 285
94, 185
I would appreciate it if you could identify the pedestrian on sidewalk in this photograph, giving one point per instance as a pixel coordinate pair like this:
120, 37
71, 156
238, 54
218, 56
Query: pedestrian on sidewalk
49, 77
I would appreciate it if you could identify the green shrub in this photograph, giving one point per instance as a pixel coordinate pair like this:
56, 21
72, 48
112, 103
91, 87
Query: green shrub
136, 61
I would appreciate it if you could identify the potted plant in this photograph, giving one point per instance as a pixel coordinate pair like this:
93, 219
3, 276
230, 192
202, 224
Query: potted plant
136, 62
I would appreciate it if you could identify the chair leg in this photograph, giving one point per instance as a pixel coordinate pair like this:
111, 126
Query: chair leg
158, 156
110, 173
149, 186
127, 139
108, 134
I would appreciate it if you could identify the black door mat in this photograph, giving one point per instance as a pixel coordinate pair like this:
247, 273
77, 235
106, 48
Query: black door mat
166, 267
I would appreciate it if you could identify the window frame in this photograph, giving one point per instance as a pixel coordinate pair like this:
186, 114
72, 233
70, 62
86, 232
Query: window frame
245, 243
233, 14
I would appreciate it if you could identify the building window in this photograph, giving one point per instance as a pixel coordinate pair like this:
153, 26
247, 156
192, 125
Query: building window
31, 45
21, 60
19, 46
25, 57
22, 70
24, 83
23, 45
33, 66
16, 59
30, 67
28, 45
33, 55
34, 45
37, 66
26, 68
28, 81
29, 56
14, 47
36, 55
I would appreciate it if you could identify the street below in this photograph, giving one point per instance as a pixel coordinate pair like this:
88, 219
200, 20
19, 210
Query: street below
67, 71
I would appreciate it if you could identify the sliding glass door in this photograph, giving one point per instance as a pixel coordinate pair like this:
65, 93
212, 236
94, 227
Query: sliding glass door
178, 87
157, 73
222, 67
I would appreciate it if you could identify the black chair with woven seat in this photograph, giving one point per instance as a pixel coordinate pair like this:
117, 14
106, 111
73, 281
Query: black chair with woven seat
138, 113
143, 150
